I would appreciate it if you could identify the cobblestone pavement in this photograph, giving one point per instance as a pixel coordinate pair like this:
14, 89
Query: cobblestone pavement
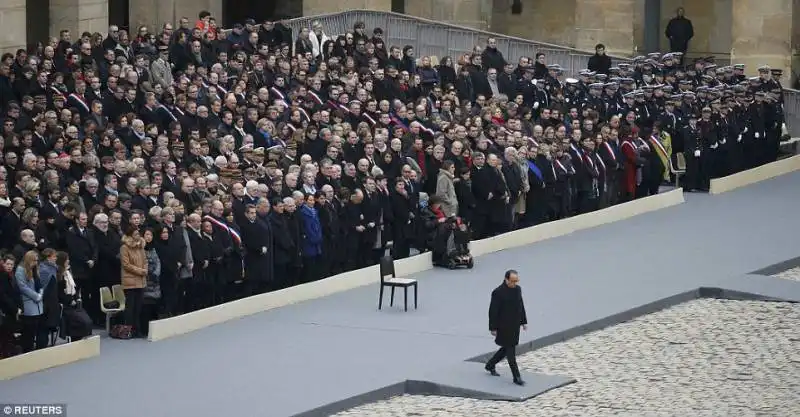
792, 274
703, 358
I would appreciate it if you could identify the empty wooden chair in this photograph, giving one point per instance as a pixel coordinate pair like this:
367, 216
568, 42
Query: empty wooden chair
387, 270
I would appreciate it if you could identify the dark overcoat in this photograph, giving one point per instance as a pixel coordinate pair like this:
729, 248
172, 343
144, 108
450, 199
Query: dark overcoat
507, 314
258, 265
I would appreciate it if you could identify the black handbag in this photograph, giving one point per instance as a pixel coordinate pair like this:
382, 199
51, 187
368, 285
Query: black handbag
114, 304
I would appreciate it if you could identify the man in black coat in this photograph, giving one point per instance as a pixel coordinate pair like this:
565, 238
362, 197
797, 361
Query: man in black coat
83, 254
679, 32
258, 260
506, 316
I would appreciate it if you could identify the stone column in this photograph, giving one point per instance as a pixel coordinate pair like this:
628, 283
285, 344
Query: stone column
610, 22
316, 7
475, 14
12, 19
78, 16
762, 34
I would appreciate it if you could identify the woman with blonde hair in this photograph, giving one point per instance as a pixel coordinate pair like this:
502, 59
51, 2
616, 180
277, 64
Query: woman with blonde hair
34, 332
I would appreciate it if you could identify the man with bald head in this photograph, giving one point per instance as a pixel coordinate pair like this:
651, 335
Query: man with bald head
27, 242
227, 235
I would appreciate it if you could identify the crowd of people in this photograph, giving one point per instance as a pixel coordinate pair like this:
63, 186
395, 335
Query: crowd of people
195, 165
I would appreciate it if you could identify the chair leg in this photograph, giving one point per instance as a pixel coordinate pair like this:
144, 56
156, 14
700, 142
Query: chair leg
391, 302
405, 298
415, 296
380, 298
108, 324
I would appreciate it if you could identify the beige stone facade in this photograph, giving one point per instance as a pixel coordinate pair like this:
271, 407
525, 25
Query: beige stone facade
78, 16
12, 24
753, 32
315, 7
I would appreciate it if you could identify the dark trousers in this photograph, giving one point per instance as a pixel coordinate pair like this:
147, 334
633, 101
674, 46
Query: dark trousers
90, 295
149, 313
510, 354
35, 334
134, 298
182, 296
311, 268
169, 292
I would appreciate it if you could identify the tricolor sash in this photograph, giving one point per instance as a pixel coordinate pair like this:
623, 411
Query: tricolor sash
80, 101
233, 233
610, 151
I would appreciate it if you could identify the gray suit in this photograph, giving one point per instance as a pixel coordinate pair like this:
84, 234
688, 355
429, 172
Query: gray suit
161, 73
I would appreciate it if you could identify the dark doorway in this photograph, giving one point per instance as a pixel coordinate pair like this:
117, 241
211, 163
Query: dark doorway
119, 14
399, 6
37, 21
237, 11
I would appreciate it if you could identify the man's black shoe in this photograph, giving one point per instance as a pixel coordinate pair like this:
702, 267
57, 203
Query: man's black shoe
519, 381
491, 371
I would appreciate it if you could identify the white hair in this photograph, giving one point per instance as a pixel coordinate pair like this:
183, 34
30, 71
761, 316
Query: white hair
100, 218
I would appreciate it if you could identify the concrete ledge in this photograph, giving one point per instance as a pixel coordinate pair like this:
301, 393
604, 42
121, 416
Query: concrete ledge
563, 227
51, 357
174, 326
758, 174
778, 267
186, 323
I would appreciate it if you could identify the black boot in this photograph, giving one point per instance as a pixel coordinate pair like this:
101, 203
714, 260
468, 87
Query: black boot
518, 380
491, 370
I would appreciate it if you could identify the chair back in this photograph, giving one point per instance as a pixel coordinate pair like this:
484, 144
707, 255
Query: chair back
387, 267
105, 297
680, 161
119, 295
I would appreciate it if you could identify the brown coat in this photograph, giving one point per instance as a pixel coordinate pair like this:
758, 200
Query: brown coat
134, 263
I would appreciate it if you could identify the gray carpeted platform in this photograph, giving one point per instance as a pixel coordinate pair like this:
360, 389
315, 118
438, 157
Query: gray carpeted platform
469, 379
321, 356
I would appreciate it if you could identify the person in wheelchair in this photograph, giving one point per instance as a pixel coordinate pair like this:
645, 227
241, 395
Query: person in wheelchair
448, 237
76, 322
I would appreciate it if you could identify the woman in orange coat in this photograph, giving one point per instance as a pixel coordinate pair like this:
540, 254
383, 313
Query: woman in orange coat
134, 275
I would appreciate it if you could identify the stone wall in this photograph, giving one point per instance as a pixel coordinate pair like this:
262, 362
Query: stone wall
12, 20
763, 33
609, 22
154, 13
551, 21
711, 20
78, 16
315, 7
476, 14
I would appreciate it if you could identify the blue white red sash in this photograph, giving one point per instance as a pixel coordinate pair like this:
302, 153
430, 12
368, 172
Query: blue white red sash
610, 151
660, 148
234, 234
315, 97
80, 101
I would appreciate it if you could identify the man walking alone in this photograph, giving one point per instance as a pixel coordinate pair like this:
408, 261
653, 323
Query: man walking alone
506, 316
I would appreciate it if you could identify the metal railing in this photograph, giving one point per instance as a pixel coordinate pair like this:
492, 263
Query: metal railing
791, 106
440, 39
